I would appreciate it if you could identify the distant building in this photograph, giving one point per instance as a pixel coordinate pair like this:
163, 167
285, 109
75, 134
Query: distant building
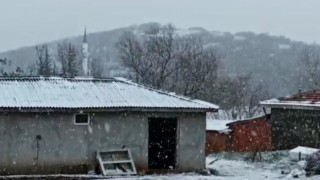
86, 61
295, 120
56, 125
249, 135
217, 136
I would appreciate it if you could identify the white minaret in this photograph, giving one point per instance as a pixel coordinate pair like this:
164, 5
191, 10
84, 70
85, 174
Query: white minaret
86, 61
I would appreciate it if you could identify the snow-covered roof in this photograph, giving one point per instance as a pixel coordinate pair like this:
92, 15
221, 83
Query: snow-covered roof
303, 150
223, 126
301, 100
218, 125
248, 120
56, 92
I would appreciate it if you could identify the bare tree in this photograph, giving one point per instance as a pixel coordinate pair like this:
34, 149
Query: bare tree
62, 58
163, 60
31, 70
3, 63
310, 68
239, 96
151, 59
196, 69
69, 58
18, 72
240, 91
257, 93
96, 67
44, 61
182, 64
73, 61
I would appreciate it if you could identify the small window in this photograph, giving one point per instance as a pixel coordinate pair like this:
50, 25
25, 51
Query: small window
82, 119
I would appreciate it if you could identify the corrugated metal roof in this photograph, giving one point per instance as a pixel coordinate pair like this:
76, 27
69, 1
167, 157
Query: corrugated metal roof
54, 92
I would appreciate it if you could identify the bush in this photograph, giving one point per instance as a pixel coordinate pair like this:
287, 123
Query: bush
313, 164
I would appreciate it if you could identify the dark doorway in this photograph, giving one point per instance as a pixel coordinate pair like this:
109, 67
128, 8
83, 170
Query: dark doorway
162, 143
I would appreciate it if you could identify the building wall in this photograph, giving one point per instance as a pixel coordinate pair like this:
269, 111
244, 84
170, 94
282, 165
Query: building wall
250, 136
69, 148
292, 128
245, 136
216, 142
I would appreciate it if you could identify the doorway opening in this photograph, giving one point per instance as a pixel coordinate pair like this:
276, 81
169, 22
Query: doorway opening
162, 143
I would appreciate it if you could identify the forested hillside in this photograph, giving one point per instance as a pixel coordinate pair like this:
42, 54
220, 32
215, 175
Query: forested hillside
273, 62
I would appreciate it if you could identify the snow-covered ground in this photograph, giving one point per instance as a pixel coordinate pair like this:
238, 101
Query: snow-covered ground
233, 166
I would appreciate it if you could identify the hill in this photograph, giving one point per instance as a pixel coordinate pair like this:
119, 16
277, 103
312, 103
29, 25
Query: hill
273, 60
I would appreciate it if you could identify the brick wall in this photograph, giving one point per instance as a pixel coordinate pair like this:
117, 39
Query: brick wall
249, 136
245, 136
216, 142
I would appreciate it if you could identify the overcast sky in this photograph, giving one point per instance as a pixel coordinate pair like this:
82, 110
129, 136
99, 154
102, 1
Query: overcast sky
28, 22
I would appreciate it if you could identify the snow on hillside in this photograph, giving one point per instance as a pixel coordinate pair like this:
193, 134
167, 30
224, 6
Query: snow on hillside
284, 46
185, 32
242, 52
239, 38
218, 33
211, 45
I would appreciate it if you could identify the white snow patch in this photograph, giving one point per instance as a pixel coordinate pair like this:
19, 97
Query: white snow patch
305, 152
284, 46
231, 169
218, 33
218, 125
138, 32
90, 129
239, 38
206, 103
107, 127
273, 100
211, 45
185, 32
253, 133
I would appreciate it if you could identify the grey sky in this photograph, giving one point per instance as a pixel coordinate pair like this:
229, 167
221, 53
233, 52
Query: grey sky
27, 22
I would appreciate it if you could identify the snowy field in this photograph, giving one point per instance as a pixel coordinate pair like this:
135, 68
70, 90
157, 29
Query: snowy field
230, 166
240, 167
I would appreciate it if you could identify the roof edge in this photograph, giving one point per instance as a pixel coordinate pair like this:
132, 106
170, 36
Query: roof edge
53, 78
292, 106
111, 109
172, 94
257, 118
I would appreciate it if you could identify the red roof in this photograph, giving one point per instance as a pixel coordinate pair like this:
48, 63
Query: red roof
312, 96
301, 100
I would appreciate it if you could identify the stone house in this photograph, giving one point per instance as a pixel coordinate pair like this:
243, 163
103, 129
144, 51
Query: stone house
56, 125
295, 120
